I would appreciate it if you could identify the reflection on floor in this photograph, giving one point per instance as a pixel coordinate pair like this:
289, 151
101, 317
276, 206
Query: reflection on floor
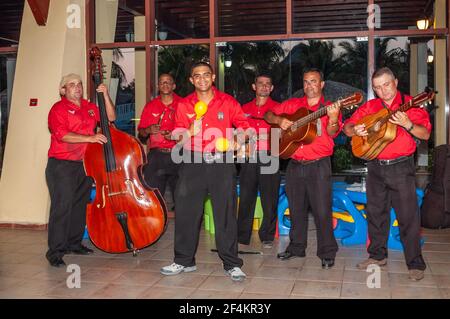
25, 273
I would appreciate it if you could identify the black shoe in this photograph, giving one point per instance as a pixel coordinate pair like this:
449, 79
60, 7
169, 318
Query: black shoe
327, 263
288, 255
83, 250
57, 262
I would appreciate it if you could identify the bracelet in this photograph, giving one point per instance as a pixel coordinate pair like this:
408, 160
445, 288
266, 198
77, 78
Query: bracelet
411, 128
333, 124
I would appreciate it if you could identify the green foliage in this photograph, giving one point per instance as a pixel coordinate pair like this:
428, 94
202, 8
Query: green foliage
177, 60
341, 159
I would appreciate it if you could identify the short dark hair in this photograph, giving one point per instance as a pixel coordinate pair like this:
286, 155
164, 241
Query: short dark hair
167, 74
263, 75
383, 71
309, 70
201, 63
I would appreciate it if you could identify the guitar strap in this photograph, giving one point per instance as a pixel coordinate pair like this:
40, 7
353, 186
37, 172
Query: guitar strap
403, 101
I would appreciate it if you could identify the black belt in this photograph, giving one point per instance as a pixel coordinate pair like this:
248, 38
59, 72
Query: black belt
162, 149
394, 161
309, 161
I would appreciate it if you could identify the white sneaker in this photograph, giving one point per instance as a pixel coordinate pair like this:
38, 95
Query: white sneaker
175, 269
236, 274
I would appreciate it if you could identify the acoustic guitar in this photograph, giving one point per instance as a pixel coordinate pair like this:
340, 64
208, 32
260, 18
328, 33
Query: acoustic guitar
380, 131
304, 129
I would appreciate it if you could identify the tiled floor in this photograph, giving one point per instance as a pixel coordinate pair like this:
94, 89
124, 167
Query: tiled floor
25, 273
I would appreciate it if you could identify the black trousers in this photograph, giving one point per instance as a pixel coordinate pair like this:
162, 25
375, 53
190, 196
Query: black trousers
195, 181
393, 186
160, 171
251, 180
309, 186
69, 189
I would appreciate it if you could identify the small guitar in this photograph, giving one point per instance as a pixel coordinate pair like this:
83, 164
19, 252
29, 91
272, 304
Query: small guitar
380, 131
304, 129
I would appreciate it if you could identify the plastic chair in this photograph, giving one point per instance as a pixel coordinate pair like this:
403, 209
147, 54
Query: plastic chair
353, 230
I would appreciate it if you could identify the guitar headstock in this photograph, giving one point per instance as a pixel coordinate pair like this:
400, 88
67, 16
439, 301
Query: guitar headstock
95, 55
351, 101
424, 98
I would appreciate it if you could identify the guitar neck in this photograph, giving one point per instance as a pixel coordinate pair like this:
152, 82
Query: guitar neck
312, 116
403, 108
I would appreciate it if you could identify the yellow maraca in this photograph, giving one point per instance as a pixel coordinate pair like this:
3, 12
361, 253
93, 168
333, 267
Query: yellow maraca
222, 144
200, 109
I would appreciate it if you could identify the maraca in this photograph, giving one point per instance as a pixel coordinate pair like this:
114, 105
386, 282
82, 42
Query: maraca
200, 109
222, 144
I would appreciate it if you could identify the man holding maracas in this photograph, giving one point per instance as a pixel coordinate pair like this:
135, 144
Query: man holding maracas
202, 119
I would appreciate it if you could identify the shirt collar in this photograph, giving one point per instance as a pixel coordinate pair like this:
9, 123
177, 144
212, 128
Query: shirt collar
321, 102
73, 105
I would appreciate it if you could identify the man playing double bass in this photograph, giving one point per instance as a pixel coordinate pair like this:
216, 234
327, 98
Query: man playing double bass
72, 122
391, 176
308, 175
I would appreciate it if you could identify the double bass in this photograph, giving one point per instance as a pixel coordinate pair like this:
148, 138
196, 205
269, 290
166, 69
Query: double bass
380, 131
126, 215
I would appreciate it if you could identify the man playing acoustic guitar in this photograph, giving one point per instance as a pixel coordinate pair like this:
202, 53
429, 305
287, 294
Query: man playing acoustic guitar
308, 175
391, 176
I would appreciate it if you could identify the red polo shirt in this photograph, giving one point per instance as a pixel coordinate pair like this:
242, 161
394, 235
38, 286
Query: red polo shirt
223, 112
322, 145
403, 144
156, 112
255, 116
65, 117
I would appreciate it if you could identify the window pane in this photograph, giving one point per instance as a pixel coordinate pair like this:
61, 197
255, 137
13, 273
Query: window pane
121, 65
343, 62
329, 16
417, 62
394, 16
177, 60
7, 69
251, 17
182, 19
11, 12
116, 21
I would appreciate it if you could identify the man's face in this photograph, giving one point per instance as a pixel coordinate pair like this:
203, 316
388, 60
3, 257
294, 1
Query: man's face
385, 87
73, 90
202, 78
263, 86
166, 85
312, 85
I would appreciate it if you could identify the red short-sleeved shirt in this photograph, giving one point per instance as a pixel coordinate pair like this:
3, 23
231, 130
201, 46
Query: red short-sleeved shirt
404, 144
65, 117
255, 116
322, 145
156, 112
223, 112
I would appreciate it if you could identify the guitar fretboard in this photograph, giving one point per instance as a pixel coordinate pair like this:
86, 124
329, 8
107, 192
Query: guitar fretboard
311, 117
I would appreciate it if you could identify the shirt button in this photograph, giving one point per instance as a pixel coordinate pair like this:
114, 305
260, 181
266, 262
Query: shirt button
206, 124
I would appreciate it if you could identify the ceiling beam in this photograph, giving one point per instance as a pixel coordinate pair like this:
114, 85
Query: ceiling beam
40, 10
